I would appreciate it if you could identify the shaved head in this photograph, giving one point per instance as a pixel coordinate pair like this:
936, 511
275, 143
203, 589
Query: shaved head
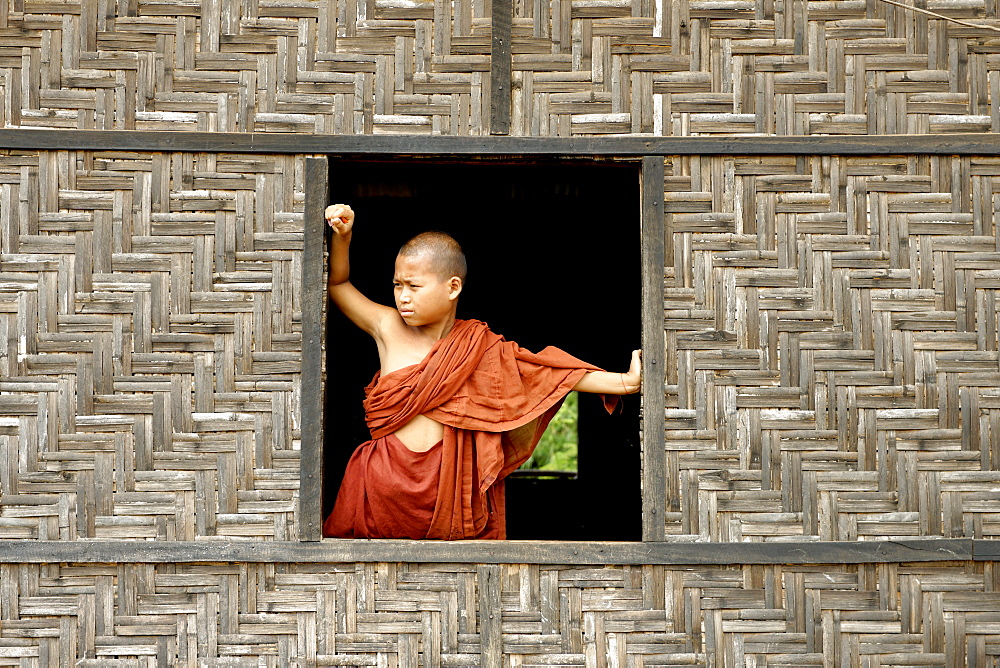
443, 252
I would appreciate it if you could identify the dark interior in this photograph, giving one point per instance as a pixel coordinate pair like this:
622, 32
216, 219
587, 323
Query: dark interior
553, 253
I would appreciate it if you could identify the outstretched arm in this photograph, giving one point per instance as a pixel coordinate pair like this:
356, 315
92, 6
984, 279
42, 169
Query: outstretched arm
605, 382
362, 311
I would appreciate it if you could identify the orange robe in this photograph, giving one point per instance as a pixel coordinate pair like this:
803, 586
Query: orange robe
494, 399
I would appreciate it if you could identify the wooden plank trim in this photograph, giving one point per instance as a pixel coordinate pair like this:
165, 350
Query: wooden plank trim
498, 552
986, 550
313, 335
501, 66
654, 457
631, 146
490, 616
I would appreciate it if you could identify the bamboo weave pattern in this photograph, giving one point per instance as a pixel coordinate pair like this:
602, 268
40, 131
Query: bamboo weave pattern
832, 348
150, 345
400, 615
825, 383
830, 327
830, 334
669, 67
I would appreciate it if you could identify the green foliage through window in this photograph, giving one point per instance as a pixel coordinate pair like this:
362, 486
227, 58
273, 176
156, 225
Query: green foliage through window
557, 451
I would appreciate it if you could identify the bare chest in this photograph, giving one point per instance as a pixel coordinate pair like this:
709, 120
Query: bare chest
400, 354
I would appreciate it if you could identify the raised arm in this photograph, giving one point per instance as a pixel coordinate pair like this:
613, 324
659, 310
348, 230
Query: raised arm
605, 382
362, 311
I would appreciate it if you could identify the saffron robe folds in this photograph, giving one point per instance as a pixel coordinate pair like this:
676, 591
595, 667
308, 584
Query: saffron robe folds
494, 399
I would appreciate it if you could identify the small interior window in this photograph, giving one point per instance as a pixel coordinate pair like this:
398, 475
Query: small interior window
558, 452
554, 259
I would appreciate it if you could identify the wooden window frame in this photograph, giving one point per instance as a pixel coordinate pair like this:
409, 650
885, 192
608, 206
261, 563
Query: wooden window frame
651, 152
314, 305
654, 549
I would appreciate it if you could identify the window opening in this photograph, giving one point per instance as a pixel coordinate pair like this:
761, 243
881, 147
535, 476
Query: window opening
558, 450
554, 259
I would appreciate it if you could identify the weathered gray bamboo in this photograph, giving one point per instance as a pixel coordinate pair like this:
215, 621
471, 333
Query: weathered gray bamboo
564, 553
500, 65
830, 352
829, 282
654, 461
313, 397
330, 614
347, 67
976, 144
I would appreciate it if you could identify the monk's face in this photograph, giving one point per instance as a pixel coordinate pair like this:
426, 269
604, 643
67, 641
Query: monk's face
423, 297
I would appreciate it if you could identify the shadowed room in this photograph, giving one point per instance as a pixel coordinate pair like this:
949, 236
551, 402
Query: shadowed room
553, 253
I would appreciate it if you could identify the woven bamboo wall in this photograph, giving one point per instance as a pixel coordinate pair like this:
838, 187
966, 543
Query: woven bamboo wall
150, 345
831, 337
833, 370
580, 66
430, 615
832, 347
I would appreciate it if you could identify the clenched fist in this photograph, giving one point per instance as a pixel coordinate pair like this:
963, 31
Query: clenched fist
340, 218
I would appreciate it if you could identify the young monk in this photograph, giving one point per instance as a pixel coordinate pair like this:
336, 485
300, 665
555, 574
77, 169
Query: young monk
454, 409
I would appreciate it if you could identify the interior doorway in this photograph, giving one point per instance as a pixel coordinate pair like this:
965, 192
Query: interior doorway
553, 249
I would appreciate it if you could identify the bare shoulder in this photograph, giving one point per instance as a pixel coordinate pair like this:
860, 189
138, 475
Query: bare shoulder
400, 345
389, 328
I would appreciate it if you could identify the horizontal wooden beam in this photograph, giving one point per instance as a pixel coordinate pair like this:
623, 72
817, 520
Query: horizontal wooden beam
986, 550
619, 146
506, 552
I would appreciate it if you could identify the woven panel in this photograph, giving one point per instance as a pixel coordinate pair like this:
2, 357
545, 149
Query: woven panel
580, 66
833, 368
150, 345
831, 336
399, 615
